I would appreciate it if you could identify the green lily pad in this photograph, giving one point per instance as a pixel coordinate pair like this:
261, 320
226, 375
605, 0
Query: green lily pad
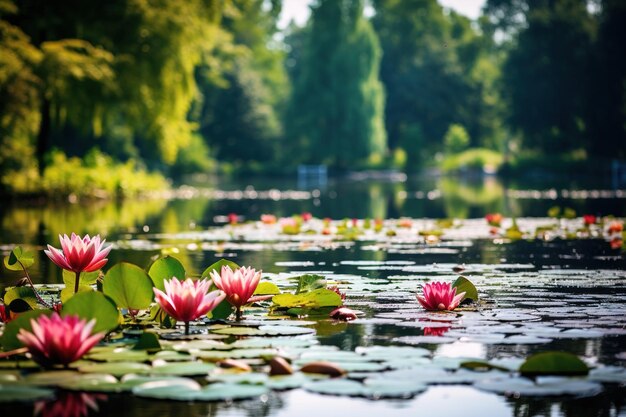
112, 354
86, 279
217, 267
463, 284
19, 257
9, 340
217, 355
129, 286
266, 288
191, 391
553, 363
16, 393
21, 293
148, 341
191, 368
164, 268
68, 292
313, 299
49, 378
94, 305
310, 282
240, 378
542, 387
117, 369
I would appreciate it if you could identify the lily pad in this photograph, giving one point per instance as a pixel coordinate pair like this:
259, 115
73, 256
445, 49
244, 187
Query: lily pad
94, 305
9, 340
190, 368
313, 299
164, 268
16, 393
117, 369
463, 284
129, 286
553, 363
545, 386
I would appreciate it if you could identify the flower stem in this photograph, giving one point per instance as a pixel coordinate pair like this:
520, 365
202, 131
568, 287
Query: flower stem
32, 286
238, 313
186, 328
76, 282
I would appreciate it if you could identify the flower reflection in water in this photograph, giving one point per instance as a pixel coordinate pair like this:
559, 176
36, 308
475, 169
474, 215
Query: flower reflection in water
435, 331
69, 404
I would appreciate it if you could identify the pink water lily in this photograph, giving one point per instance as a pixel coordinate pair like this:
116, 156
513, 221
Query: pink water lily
187, 300
57, 340
439, 296
238, 285
79, 255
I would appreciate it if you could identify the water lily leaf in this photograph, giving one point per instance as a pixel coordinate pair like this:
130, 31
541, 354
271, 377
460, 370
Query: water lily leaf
16, 393
19, 306
9, 340
19, 256
26, 294
191, 368
222, 311
109, 354
266, 287
148, 341
285, 382
94, 305
166, 268
192, 391
264, 331
310, 282
554, 363
313, 299
86, 278
60, 378
546, 386
129, 286
117, 369
217, 267
254, 378
226, 392
68, 292
463, 284
218, 355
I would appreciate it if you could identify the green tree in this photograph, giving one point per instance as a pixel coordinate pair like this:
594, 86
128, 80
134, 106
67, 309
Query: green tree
238, 113
606, 96
335, 114
437, 70
546, 74
456, 139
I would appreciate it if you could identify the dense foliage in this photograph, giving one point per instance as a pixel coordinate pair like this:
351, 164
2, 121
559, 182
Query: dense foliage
174, 86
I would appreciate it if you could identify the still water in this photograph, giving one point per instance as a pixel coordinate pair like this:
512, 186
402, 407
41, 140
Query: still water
550, 295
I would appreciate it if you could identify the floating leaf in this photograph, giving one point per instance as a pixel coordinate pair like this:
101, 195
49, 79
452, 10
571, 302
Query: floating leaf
9, 340
164, 268
266, 288
217, 267
18, 258
190, 368
463, 284
545, 386
129, 286
16, 393
116, 369
554, 363
310, 282
314, 299
148, 341
94, 305
86, 278
191, 391
68, 292
26, 294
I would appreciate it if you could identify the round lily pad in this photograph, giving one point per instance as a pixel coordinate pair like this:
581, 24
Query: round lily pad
16, 393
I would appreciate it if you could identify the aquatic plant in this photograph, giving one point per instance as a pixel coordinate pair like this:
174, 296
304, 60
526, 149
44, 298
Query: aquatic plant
239, 285
439, 296
79, 255
57, 340
187, 300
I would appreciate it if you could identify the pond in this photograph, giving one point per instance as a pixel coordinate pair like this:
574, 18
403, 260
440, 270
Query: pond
557, 287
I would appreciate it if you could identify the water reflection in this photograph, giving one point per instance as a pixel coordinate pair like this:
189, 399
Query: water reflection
69, 404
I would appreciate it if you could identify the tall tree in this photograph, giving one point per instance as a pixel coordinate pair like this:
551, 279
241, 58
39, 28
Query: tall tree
607, 92
335, 114
437, 71
546, 74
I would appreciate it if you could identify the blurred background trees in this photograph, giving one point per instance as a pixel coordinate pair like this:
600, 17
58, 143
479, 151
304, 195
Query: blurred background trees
183, 87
